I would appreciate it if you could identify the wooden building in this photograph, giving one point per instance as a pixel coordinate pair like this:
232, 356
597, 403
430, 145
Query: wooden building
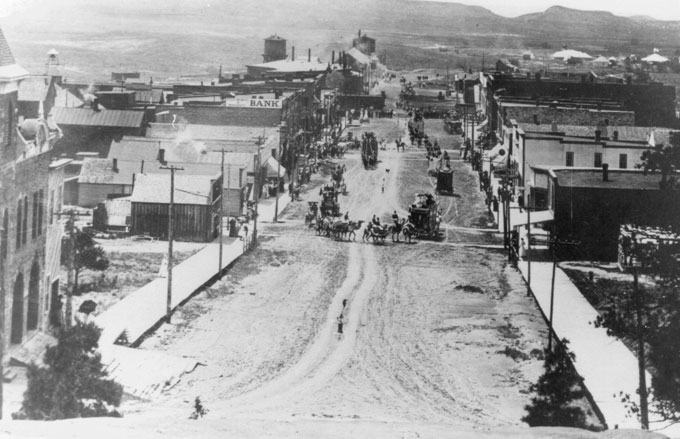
590, 205
195, 212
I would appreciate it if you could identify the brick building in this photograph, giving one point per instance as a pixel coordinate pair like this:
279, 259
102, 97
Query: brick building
26, 203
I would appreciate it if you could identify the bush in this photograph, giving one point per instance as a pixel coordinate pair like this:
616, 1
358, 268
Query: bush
556, 390
72, 384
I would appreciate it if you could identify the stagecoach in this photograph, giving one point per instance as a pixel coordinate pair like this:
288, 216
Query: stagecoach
444, 181
424, 216
329, 202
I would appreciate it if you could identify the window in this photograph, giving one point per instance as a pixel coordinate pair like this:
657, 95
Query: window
623, 161
34, 218
20, 211
50, 207
24, 227
570, 158
41, 211
10, 122
598, 160
5, 235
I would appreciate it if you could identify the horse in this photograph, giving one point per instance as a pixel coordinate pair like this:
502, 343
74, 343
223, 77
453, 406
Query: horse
396, 228
324, 226
409, 231
352, 227
375, 233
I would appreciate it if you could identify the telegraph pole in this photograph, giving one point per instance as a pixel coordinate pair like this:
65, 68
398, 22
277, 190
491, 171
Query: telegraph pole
644, 410
172, 168
219, 268
554, 243
278, 171
70, 225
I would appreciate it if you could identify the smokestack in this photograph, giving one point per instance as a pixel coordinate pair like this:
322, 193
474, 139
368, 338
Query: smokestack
95, 104
615, 135
309, 55
161, 155
605, 172
333, 57
141, 171
115, 165
598, 136
292, 54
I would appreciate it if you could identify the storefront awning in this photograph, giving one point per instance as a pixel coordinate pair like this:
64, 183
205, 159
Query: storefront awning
273, 166
518, 218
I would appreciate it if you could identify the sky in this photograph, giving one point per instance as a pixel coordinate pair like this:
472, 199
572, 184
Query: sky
659, 9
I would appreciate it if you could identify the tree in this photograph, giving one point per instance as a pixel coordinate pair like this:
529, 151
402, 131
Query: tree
555, 390
666, 159
88, 255
72, 383
660, 316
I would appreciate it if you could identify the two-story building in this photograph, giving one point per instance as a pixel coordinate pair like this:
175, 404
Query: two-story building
28, 190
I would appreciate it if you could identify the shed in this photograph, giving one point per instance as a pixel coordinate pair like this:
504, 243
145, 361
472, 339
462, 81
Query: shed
195, 211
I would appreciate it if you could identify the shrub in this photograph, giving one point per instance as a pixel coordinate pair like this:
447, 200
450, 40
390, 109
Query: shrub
72, 383
555, 390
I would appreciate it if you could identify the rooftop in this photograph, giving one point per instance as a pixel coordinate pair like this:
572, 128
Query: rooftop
189, 189
102, 118
625, 133
6, 57
618, 178
101, 171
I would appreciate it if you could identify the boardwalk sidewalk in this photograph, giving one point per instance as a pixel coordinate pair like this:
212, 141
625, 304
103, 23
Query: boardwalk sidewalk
607, 366
142, 372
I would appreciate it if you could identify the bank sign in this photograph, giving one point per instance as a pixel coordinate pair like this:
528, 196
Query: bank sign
254, 103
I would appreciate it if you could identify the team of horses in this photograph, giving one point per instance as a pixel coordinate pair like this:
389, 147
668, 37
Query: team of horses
347, 230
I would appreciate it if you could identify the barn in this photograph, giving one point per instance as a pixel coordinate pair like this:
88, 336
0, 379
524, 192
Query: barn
195, 212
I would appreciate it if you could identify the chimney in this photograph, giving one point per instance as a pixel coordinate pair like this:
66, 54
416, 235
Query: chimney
598, 136
309, 55
95, 105
115, 165
161, 155
615, 135
333, 57
605, 172
292, 54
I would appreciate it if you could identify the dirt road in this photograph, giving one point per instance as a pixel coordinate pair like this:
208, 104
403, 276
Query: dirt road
432, 333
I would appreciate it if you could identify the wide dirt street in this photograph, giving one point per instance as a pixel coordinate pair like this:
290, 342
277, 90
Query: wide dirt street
435, 333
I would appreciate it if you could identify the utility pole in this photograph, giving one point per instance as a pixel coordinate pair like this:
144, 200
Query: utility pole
70, 226
2, 317
256, 179
219, 267
282, 130
639, 302
528, 247
172, 168
554, 243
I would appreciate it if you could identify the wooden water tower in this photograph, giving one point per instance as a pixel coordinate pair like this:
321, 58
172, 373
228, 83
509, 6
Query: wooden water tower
274, 49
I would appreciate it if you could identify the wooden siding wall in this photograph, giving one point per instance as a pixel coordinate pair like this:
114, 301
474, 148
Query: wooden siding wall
191, 222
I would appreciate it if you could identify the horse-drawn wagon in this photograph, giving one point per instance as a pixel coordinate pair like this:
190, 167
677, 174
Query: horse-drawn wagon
444, 181
329, 201
424, 216
369, 150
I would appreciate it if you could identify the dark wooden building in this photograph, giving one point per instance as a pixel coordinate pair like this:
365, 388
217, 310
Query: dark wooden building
195, 212
590, 205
